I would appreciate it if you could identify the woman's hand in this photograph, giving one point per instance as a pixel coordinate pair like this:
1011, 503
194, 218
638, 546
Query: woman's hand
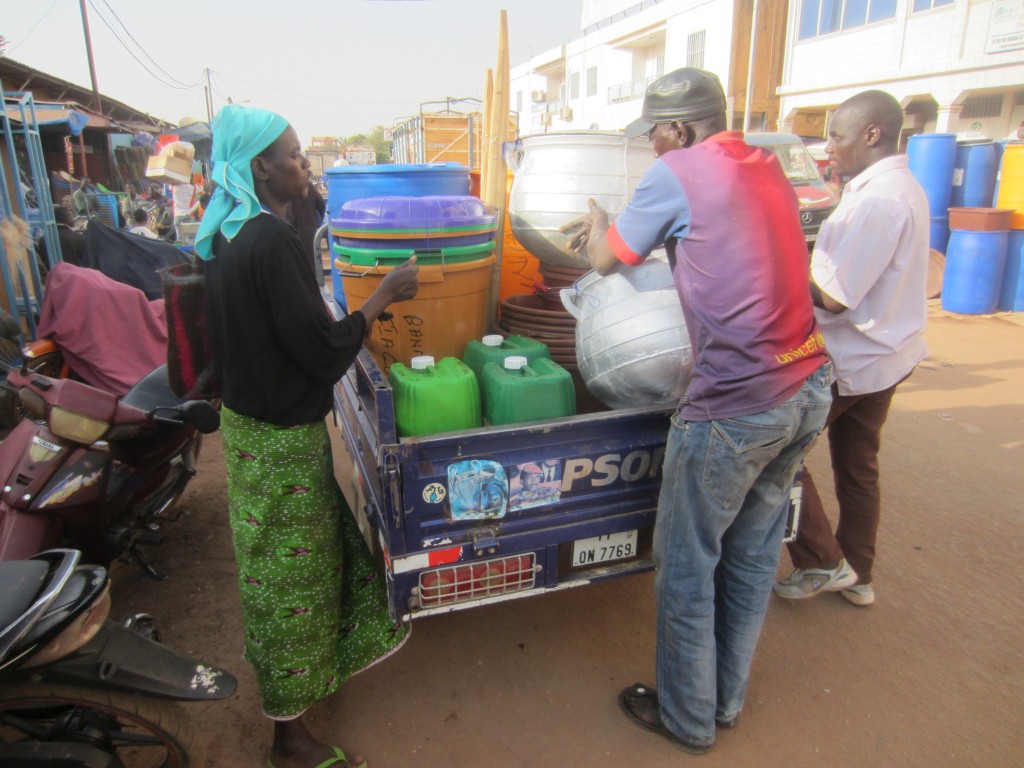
401, 283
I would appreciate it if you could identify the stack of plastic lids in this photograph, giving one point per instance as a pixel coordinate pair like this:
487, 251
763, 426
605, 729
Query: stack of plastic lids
438, 228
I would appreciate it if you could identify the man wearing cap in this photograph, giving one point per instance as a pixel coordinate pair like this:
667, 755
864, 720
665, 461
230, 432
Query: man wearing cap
757, 400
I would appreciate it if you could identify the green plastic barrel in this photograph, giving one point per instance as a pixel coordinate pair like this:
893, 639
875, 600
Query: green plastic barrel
518, 391
433, 398
494, 348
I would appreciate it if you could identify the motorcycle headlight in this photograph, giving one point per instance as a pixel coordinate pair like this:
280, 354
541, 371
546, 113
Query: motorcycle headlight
76, 427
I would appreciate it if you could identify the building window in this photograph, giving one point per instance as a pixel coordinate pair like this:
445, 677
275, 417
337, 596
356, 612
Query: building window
695, 49
982, 106
927, 5
519, 101
592, 81
574, 85
823, 17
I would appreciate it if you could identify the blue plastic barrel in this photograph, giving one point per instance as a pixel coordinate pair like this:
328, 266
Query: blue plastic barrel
973, 273
974, 175
1000, 148
351, 182
1011, 295
938, 233
931, 157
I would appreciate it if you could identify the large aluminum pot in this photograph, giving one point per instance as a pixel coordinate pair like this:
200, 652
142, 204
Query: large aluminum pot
632, 346
555, 173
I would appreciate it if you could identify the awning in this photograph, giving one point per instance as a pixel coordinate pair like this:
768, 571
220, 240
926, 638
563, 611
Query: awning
193, 132
52, 115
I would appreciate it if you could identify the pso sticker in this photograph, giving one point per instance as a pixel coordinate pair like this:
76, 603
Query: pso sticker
434, 493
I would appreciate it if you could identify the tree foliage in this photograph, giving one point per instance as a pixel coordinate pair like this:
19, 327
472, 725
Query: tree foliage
374, 139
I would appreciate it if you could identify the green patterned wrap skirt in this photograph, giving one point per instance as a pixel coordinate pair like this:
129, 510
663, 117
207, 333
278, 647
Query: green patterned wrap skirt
314, 606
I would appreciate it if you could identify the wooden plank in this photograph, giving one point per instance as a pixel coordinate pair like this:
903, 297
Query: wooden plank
495, 193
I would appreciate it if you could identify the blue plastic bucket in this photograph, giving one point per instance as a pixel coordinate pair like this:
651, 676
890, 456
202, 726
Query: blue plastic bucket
350, 182
931, 157
973, 273
938, 233
974, 175
1011, 295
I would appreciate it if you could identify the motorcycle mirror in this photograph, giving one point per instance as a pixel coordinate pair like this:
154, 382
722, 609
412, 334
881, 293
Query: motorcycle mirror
202, 415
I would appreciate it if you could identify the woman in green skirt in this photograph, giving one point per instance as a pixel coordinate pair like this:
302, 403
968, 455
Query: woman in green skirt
315, 610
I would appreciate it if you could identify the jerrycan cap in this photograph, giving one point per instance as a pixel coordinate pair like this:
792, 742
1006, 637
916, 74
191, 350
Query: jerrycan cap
493, 340
422, 362
515, 362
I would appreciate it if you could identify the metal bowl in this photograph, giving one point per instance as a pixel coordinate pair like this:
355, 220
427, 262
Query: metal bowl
632, 345
555, 175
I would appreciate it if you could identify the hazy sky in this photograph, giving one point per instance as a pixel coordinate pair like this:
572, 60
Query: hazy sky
331, 67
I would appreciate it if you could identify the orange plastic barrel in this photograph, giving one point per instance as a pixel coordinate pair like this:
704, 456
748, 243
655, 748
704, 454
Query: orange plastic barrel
449, 310
519, 267
1011, 184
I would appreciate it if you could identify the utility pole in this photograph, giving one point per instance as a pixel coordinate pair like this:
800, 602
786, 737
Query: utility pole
88, 51
209, 97
750, 69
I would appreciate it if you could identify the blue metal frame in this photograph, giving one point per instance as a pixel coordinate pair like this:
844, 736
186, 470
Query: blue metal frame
24, 103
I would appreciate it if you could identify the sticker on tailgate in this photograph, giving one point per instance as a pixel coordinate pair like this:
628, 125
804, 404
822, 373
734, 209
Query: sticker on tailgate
477, 489
535, 484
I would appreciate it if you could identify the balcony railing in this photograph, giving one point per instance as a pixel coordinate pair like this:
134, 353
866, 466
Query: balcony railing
634, 89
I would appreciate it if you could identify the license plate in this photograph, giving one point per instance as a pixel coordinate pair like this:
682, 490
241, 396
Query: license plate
603, 549
811, 238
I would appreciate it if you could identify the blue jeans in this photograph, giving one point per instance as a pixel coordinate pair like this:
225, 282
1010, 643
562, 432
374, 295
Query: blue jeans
721, 516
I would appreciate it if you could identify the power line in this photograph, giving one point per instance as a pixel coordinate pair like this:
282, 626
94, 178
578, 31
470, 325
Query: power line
315, 98
139, 45
137, 59
33, 29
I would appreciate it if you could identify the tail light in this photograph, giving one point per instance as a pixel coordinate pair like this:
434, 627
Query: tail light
76, 634
472, 581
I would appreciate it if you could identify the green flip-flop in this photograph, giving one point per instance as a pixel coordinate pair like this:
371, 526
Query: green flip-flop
339, 759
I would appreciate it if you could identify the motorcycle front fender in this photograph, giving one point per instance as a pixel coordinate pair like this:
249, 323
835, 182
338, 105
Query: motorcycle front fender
24, 534
119, 659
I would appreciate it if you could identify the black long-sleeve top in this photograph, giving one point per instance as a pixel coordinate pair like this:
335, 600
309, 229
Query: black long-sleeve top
277, 350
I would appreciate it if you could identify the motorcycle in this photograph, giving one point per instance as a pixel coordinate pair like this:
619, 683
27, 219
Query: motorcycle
76, 688
93, 469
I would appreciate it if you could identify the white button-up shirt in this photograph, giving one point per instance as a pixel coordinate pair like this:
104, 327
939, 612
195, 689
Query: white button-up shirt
872, 257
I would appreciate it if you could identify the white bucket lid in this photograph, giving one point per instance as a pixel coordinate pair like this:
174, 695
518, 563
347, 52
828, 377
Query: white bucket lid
493, 340
422, 362
515, 362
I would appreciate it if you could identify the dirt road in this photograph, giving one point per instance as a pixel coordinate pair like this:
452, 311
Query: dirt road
931, 675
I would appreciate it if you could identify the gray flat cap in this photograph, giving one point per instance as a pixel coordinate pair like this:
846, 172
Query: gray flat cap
684, 94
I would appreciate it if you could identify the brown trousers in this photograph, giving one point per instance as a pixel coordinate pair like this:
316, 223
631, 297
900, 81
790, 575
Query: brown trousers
854, 428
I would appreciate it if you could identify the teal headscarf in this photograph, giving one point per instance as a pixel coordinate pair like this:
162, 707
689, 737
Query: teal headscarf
239, 134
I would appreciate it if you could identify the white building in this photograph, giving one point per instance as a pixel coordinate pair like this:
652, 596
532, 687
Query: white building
955, 65
598, 80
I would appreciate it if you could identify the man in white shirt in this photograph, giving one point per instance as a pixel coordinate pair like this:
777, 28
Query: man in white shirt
869, 270
141, 227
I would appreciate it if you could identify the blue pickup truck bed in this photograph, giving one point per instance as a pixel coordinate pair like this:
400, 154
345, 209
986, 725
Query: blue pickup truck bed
457, 523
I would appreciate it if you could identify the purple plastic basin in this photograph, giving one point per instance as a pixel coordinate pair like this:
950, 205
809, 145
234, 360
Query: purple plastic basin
396, 216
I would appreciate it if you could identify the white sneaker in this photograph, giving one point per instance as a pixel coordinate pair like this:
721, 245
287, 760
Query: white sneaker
859, 594
808, 582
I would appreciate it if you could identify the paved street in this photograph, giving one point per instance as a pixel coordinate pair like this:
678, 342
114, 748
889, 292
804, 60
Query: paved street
931, 675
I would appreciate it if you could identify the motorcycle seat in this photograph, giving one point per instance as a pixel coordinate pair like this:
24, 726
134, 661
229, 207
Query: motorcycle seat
152, 391
23, 580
